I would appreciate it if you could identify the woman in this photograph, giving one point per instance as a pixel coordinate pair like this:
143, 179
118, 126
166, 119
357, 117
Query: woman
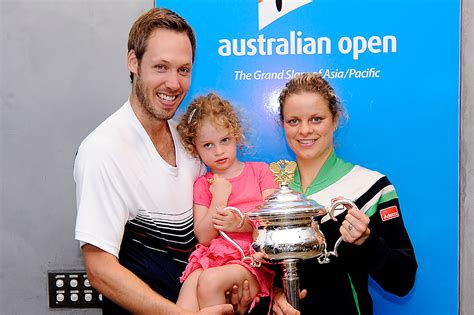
375, 241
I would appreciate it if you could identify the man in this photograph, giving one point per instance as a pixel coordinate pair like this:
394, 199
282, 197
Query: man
134, 180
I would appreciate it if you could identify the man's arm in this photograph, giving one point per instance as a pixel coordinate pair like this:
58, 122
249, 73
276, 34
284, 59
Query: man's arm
120, 285
123, 287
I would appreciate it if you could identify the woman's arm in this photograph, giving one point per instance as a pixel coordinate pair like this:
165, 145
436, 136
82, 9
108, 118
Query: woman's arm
392, 262
385, 249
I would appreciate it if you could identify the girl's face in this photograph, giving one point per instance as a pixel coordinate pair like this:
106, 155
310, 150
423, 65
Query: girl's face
309, 126
216, 148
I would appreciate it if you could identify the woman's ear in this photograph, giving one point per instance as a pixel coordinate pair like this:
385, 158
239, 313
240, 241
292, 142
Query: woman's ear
336, 120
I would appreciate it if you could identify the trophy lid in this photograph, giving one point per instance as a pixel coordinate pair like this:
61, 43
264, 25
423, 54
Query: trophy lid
285, 203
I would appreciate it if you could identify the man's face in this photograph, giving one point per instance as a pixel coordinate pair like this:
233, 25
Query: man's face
163, 76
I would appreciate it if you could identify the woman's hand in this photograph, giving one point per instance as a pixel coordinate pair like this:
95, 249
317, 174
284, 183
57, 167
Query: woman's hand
355, 227
281, 305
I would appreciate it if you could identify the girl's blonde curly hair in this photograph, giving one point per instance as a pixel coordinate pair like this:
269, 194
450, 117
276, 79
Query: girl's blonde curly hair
211, 108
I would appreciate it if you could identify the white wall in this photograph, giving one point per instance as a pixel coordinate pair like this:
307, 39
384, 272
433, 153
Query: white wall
63, 70
467, 160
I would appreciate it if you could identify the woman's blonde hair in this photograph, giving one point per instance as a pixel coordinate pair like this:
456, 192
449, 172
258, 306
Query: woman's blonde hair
312, 82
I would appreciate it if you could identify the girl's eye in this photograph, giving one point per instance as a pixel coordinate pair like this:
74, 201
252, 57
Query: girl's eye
207, 145
293, 122
316, 120
225, 140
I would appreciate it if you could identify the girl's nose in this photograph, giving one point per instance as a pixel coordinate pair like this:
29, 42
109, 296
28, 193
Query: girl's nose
218, 150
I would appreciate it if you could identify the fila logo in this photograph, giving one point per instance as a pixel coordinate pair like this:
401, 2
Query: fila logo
389, 213
271, 10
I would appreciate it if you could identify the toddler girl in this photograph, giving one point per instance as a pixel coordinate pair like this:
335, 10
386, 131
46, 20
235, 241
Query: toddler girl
211, 130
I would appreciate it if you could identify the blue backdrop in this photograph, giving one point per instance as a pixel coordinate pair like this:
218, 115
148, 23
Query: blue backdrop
395, 66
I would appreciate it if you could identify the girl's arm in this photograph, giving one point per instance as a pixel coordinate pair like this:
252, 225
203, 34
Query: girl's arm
267, 192
203, 225
227, 221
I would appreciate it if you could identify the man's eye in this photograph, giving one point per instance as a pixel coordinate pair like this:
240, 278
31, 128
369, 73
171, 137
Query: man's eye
185, 70
160, 68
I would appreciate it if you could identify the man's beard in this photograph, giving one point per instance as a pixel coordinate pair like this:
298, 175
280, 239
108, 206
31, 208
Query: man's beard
141, 92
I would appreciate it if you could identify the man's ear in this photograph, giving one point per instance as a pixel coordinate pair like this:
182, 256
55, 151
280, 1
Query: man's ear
132, 62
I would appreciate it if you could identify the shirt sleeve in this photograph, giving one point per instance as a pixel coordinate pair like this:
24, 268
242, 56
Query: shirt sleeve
102, 211
387, 253
201, 193
393, 264
266, 178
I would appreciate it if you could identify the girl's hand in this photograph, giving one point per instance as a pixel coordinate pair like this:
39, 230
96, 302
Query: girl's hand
220, 189
225, 220
260, 257
355, 227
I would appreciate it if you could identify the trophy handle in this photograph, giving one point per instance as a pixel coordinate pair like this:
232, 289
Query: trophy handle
253, 262
345, 202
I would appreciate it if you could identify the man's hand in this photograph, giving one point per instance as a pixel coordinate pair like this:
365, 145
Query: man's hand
217, 310
281, 305
240, 304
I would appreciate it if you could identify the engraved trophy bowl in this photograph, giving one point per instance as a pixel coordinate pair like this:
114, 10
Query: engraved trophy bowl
287, 231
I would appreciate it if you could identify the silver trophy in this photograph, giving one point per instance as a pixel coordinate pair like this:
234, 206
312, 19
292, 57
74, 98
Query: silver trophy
287, 231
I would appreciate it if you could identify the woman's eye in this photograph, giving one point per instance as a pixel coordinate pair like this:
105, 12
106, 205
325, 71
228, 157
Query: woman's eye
315, 120
293, 122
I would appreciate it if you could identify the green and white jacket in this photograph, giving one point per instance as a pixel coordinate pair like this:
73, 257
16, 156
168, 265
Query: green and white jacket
341, 287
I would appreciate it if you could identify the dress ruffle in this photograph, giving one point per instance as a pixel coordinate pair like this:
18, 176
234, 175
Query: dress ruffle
219, 253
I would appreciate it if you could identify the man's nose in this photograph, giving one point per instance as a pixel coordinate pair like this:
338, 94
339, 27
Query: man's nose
172, 80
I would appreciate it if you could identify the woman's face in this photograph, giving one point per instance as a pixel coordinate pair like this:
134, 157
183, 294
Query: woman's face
309, 125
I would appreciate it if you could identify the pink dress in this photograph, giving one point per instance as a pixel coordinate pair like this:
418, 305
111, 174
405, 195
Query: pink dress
246, 195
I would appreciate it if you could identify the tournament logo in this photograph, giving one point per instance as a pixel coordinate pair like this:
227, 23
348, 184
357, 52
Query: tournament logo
271, 10
389, 213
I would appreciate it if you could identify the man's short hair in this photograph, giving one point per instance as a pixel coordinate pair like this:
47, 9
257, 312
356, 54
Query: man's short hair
156, 18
